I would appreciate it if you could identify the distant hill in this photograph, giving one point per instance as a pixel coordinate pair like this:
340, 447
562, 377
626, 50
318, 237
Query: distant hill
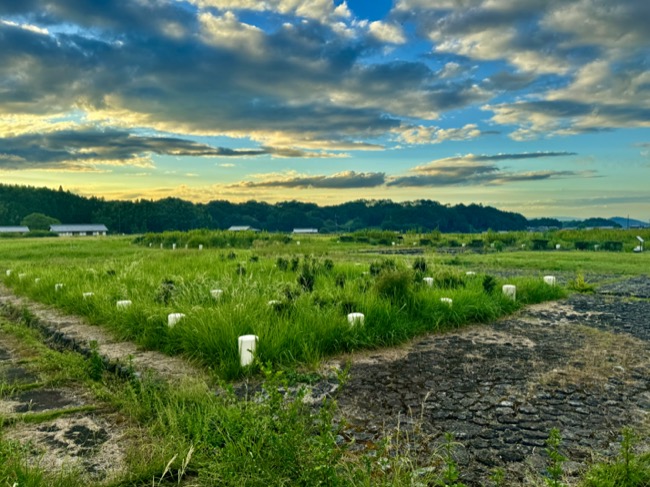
623, 222
16, 202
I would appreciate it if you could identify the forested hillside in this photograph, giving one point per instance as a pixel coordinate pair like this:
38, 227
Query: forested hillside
16, 202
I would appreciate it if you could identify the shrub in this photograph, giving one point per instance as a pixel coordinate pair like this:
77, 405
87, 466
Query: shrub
489, 284
394, 285
448, 279
420, 265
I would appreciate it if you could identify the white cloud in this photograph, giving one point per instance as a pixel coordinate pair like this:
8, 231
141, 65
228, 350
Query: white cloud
385, 32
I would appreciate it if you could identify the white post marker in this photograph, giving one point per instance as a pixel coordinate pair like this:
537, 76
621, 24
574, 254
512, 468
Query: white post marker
173, 246
247, 345
273, 302
173, 318
470, 273
21, 276
447, 301
428, 281
510, 291
200, 246
58, 286
37, 280
88, 295
161, 246
550, 280
558, 246
8, 272
124, 303
216, 293
356, 319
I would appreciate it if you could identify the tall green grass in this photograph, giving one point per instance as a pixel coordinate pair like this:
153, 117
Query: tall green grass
308, 322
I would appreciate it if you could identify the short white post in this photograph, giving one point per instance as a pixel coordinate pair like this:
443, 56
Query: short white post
356, 319
58, 286
298, 242
187, 246
558, 246
37, 280
8, 272
216, 293
510, 291
123, 304
550, 280
470, 273
173, 318
161, 246
428, 281
21, 276
247, 344
447, 301
150, 244
88, 295
273, 302
173, 246
200, 246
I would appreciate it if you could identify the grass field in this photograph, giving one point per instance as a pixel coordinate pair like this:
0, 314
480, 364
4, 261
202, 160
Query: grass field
186, 434
295, 298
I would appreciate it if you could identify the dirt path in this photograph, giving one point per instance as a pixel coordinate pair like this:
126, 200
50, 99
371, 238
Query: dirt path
72, 332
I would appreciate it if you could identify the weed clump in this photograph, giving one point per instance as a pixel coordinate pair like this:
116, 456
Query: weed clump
395, 285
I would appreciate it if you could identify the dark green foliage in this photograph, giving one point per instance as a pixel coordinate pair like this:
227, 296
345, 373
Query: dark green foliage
328, 265
380, 266
307, 276
339, 280
582, 245
95, 363
613, 246
231, 255
540, 244
295, 261
241, 269
489, 284
165, 291
282, 263
420, 264
395, 285
39, 221
448, 279
628, 470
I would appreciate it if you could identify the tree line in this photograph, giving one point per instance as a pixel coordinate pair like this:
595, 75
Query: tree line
18, 202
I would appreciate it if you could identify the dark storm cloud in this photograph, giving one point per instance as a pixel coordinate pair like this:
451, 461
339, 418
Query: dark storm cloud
71, 147
161, 66
344, 180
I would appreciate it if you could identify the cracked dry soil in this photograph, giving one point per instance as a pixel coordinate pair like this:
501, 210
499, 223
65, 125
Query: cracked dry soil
579, 364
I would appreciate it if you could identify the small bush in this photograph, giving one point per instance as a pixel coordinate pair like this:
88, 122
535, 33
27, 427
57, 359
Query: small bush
489, 284
420, 265
282, 263
394, 285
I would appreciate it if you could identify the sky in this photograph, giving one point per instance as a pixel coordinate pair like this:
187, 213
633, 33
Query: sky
540, 106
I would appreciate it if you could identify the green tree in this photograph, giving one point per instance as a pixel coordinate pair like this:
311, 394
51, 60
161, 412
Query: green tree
39, 221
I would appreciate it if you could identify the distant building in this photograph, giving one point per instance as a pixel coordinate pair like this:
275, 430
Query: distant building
242, 228
14, 229
305, 230
79, 230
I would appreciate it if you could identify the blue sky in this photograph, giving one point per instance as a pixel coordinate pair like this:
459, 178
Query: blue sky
540, 107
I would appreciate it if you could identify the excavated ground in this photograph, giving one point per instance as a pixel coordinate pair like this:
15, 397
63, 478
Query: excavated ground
581, 365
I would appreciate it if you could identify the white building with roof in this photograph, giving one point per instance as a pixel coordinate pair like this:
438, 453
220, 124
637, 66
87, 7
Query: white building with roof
94, 230
16, 229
